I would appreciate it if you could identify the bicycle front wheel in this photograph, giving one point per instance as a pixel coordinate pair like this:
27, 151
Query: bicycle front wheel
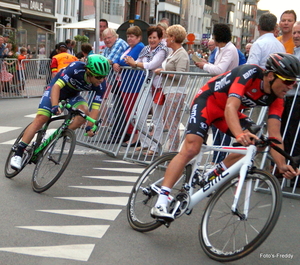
53, 161
145, 193
227, 236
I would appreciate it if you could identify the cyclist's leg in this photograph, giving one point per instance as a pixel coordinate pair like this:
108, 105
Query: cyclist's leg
43, 114
245, 122
196, 133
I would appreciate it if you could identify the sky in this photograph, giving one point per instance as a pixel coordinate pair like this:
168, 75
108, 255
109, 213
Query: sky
277, 7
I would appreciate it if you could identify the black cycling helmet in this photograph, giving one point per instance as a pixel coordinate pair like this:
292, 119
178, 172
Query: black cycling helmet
98, 65
284, 64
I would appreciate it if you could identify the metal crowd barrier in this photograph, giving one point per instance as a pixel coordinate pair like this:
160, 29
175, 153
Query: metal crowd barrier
114, 110
28, 82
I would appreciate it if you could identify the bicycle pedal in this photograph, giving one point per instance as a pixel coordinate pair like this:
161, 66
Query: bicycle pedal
164, 222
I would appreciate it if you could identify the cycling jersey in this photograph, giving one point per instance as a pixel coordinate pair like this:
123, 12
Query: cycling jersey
245, 83
72, 81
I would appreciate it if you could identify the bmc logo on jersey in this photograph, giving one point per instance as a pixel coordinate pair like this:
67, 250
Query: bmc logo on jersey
249, 73
223, 82
248, 102
193, 114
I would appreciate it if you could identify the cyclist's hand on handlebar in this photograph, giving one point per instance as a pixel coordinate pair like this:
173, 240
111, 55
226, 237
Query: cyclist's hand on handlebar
89, 131
288, 172
246, 138
56, 110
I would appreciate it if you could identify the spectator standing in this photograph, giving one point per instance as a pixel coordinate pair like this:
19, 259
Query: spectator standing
5, 39
213, 51
174, 86
42, 49
103, 24
128, 89
247, 50
227, 57
266, 44
151, 58
165, 20
114, 46
70, 46
277, 30
287, 20
291, 114
20, 69
62, 59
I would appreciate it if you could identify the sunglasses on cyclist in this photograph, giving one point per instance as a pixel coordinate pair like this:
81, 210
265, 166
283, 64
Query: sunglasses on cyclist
286, 81
99, 77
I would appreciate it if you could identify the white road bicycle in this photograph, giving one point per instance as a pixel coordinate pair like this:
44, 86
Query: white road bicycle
244, 205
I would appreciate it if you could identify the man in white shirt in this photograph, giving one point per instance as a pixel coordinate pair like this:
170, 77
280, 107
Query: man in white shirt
266, 44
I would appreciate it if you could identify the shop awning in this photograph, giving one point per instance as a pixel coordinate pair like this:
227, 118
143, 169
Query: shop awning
27, 13
11, 8
36, 25
86, 24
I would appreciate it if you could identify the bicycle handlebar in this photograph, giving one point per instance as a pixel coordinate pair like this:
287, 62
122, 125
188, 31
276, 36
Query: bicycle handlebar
73, 111
265, 141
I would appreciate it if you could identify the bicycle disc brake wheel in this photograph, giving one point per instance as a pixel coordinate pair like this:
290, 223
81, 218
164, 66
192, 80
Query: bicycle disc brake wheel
9, 172
53, 161
225, 236
145, 193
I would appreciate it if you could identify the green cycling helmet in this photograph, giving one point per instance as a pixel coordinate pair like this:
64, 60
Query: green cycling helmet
98, 65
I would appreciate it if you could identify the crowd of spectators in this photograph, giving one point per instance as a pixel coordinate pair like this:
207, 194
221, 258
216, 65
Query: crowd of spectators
164, 53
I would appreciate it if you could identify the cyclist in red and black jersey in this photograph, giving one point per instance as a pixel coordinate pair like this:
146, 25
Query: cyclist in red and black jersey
220, 101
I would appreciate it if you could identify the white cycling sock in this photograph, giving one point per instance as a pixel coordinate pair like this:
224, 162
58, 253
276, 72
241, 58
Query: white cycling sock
163, 196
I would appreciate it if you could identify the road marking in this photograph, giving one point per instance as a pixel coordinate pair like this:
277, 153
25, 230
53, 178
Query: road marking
130, 170
125, 179
96, 231
80, 252
105, 200
30, 116
11, 142
5, 129
118, 161
122, 189
97, 214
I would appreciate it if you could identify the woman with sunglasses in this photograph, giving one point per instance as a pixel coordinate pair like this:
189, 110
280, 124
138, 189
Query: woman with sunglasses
220, 102
67, 84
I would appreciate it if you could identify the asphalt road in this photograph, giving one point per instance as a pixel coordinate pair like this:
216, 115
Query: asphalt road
82, 218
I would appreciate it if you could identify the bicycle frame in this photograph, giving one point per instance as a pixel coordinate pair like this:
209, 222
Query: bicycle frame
67, 121
239, 168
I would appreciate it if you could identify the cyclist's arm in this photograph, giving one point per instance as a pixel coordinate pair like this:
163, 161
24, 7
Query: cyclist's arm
274, 131
55, 93
233, 122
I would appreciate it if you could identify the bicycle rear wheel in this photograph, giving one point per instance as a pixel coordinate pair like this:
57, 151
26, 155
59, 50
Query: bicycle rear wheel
8, 171
145, 193
225, 236
53, 161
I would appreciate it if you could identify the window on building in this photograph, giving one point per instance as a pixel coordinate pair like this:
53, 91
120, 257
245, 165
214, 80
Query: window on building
66, 7
216, 7
58, 7
73, 11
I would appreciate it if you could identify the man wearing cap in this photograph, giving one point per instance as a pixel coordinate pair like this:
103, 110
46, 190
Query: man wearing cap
62, 59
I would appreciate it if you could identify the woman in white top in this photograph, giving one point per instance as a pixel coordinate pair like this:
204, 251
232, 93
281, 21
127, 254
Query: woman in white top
174, 87
151, 58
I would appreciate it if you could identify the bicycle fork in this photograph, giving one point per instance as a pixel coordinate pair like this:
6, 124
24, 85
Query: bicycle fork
242, 176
